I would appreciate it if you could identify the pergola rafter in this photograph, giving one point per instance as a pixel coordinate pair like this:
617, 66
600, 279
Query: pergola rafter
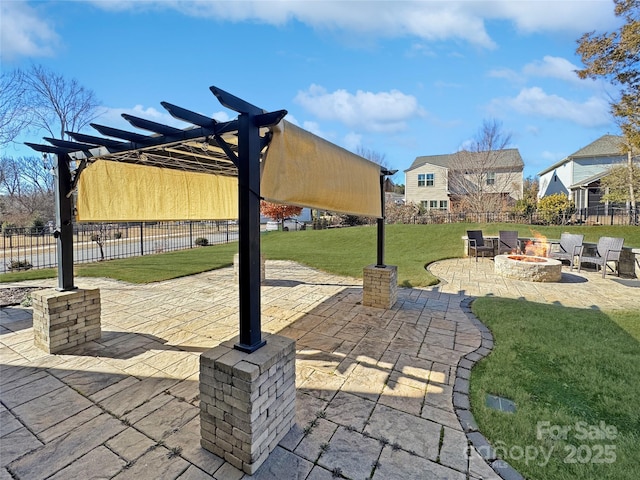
230, 148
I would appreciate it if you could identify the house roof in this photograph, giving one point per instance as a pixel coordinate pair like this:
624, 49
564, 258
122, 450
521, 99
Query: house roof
588, 181
507, 158
606, 145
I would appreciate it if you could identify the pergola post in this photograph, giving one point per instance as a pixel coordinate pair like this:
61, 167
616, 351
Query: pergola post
380, 281
64, 224
65, 317
249, 146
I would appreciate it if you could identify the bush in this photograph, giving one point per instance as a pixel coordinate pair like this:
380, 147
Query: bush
37, 227
7, 228
556, 209
201, 242
117, 235
19, 265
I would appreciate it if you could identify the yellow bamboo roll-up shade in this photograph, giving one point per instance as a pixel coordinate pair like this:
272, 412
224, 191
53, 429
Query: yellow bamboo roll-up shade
303, 169
117, 191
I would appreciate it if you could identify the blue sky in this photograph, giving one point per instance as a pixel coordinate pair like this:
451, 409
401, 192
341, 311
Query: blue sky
400, 78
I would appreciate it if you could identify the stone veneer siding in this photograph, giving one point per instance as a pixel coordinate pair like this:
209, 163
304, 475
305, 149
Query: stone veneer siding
247, 400
62, 320
380, 286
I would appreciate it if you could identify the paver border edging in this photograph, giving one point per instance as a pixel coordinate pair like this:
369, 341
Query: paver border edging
461, 403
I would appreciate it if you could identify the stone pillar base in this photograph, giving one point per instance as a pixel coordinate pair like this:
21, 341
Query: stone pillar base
62, 320
380, 286
236, 262
247, 400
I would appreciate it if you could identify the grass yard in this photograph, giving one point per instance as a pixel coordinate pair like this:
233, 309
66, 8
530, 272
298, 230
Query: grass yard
343, 251
567, 367
564, 368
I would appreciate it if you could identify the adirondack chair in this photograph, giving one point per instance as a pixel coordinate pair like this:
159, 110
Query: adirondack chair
508, 242
476, 243
608, 250
569, 247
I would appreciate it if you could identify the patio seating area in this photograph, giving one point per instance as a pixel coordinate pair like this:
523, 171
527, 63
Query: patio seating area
380, 392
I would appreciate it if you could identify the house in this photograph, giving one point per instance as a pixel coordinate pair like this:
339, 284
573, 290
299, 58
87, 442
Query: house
441, 182
578, 175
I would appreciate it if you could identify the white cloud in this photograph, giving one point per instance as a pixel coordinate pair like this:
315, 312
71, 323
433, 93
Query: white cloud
572, 16
462, 20
536, 102
24, 33
314, 128
506, 73
352, 141
553, 67
363, 111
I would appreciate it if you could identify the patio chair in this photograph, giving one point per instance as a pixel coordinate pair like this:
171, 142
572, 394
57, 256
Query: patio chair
569, 247
607, 250
508, 242
476, 243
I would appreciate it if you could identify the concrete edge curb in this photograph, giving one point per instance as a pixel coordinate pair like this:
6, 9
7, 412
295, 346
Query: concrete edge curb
461, 402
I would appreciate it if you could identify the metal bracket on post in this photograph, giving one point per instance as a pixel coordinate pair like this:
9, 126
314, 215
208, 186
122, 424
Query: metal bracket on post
380, 222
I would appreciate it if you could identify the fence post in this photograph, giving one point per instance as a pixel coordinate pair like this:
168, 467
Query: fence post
141, 240
190, 234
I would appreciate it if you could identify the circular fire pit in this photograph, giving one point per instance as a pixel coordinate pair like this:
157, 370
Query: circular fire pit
528, 267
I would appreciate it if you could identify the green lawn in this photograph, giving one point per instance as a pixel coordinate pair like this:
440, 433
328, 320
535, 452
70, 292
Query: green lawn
344, 251
564, 367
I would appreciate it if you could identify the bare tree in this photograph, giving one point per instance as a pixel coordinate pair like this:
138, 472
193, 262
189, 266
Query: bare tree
375, 157
28, 186
41, 100
485, 176
58, 104
14, 114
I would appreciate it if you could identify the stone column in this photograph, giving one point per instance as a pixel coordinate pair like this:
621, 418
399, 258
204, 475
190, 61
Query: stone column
247, 400
380, 286
62, 320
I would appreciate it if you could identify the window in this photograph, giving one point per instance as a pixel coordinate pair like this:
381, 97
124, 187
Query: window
424, 204
430, 179
443, 204
425, 179
491, 178
433, 204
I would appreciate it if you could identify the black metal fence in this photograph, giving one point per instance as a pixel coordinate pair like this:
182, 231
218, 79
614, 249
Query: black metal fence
587, 216
35, 247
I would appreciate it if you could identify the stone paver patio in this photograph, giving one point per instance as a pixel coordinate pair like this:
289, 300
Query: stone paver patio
375, 387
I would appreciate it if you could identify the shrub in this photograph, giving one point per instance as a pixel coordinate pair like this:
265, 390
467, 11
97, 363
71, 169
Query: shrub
19, 265
201, 242
7, 227
117, 235
37, 227
556, 208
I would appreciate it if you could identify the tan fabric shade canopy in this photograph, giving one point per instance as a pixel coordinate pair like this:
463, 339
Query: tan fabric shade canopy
208, 171
117, 191
303, 169
298, 168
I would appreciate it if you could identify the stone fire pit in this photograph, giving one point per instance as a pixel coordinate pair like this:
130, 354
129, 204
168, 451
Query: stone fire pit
528, 267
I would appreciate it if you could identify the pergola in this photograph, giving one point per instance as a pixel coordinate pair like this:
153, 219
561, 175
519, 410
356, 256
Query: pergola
253, 148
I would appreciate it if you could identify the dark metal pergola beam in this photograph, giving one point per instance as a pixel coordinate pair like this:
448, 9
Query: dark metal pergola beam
171, 147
